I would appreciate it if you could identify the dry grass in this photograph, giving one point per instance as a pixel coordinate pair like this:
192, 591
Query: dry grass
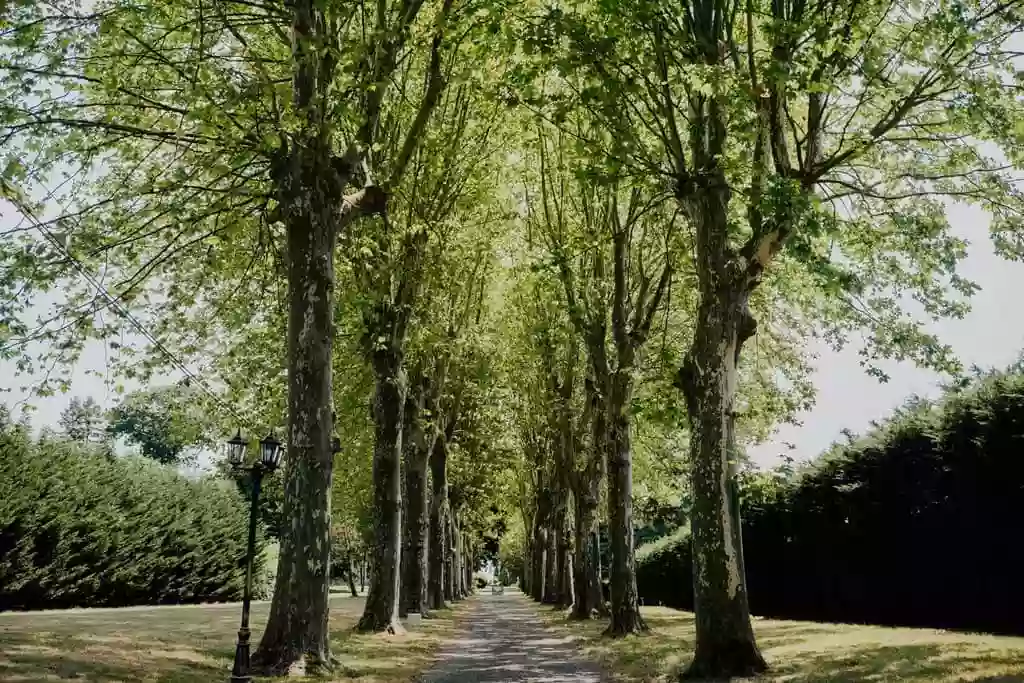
194, 644
807, 652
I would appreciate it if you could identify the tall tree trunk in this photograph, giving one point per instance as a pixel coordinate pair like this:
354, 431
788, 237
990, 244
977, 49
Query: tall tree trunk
587, 584
351, 576
467, 568
414, 583
438, 520
565, 590
456, 556
297, 634
625, 609
381, 610
725, 638
526, 577
551, 565
586, 571
540, 543
415, 571
449, 562
454, 567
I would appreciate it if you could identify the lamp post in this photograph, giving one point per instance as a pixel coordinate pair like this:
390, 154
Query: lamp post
269, 460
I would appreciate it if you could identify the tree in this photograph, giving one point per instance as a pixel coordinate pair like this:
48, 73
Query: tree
82, 420
447, 334
204, 147
163, 422
810, 133
613, 247
448, 199
203, 159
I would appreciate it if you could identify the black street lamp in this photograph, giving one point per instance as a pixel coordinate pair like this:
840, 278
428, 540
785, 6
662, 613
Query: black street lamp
270, 459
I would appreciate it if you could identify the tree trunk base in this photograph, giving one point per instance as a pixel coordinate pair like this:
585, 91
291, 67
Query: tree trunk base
731, 659
626, 624
369, 623
290, 663
593, 613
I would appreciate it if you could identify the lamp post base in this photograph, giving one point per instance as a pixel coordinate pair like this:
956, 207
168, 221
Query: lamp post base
240, 671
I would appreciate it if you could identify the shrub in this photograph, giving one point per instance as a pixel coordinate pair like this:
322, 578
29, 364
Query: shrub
80, 529
913, 524
662, 565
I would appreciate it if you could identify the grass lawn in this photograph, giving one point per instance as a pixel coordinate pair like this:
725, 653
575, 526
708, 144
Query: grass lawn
808, 652
193, 644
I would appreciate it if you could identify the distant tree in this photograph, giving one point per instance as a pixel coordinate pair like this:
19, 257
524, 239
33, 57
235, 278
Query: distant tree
82, 420
164, 423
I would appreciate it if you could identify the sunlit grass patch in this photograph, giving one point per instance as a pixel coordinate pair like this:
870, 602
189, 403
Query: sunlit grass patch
807, 652
193, 644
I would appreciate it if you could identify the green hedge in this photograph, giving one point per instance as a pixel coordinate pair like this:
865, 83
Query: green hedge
81, 529
917, 523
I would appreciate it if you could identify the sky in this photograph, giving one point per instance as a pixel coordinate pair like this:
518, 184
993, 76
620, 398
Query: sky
991, 335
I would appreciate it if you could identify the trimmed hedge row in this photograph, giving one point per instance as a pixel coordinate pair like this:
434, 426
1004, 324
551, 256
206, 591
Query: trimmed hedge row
918, 523
78, 529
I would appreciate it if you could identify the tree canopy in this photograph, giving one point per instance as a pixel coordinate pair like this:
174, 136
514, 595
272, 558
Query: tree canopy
532, 266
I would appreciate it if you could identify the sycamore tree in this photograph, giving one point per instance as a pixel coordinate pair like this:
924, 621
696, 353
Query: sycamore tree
453, 319
164, 422
617, 244
82, 419
404, 260
548, 415
225, 143
825, 134
613, 245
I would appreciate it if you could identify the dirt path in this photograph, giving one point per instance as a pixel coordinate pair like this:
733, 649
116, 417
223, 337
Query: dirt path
503, 641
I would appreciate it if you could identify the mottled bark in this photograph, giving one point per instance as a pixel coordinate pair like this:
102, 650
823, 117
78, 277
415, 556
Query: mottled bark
350, 578
416, 519
538, 563
565, 589
587, 599
587, 583
725, 638
526, 578
625, 606
551, 582
465, 580
309, 186
297, 631
381, 610
414, 584
455, 555
438, 538
449, 562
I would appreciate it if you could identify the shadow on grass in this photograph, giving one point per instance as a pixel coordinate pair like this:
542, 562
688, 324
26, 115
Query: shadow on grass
104, 659
504, 643
806, 652
374, 657
192, 645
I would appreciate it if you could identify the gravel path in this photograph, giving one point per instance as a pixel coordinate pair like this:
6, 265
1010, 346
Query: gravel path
503, 641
